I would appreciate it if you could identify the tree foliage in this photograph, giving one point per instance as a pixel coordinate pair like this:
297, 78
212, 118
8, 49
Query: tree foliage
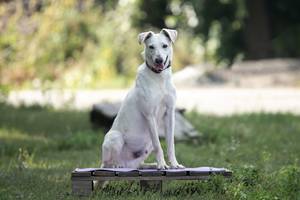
78, 43
66, 46
238, 29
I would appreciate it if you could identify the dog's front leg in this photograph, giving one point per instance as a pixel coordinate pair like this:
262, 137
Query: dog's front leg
161, 163
169, 133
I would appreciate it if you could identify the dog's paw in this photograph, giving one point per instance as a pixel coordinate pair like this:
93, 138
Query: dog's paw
177, 166
162, 166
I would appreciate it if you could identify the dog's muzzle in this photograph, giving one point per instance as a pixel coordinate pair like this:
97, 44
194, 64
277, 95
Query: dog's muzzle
158, 63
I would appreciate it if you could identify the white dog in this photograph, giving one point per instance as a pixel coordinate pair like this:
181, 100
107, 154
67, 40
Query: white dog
148, 108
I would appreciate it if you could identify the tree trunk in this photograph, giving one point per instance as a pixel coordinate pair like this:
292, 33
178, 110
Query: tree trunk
80, 5
257, 31
25, 4
38, 5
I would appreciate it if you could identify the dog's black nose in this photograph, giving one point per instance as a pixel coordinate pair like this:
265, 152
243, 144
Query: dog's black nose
158, 60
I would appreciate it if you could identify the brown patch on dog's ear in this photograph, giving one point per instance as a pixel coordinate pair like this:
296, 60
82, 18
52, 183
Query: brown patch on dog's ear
170, 33
144, 36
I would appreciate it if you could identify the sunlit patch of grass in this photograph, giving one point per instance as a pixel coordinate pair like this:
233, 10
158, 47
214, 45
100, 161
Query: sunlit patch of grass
16, 135
11, 140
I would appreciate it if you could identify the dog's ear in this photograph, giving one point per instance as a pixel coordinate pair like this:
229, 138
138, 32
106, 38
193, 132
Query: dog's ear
144, 36
170, 33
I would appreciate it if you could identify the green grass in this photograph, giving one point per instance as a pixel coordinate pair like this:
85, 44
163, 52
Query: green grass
39, 147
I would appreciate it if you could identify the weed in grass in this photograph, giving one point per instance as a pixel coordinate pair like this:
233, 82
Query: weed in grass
24, 159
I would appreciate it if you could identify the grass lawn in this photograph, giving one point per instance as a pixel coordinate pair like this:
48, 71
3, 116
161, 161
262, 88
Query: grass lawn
39, 147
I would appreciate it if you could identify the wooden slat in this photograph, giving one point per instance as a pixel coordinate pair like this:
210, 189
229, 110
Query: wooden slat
84, 178
128, 174
199, 173
227, 173
223, 172
152, 173
176, 173
104, 173
81, 174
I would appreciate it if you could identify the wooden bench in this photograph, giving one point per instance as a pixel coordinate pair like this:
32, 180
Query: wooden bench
150, 179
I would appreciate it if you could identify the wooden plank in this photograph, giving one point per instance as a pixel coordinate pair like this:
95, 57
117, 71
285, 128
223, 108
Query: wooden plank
128, 174
84, 178
225, 173
150, 173
104, 173
74, 173
175, 173
228, 173
124, 178
198, 173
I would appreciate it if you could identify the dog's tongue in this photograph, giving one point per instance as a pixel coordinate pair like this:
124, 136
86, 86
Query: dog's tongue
159, 66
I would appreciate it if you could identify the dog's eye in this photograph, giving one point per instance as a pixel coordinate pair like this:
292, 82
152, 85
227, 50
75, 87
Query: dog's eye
165, 46
151, 47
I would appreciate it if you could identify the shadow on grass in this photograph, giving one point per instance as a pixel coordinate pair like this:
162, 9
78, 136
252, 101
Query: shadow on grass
36, 120
36, 128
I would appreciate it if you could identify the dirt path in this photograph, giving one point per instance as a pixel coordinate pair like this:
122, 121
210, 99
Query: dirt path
219, 101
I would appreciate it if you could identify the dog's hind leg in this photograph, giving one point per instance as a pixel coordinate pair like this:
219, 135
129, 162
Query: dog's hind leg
111, 149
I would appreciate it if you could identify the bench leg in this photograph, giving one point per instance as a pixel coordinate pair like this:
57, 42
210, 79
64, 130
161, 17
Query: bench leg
82, 188
151, 185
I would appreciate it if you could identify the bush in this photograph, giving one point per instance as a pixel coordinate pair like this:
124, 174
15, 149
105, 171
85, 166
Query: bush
61, 46
74, 48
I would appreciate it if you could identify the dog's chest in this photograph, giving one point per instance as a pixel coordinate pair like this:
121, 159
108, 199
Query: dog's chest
161, 92
164, 98
157, 92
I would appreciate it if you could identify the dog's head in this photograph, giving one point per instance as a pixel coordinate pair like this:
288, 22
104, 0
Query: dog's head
158, 48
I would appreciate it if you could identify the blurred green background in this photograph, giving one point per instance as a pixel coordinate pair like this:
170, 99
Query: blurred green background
93, 43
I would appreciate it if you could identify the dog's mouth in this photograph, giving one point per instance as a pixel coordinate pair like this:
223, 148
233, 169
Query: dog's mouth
159, 67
